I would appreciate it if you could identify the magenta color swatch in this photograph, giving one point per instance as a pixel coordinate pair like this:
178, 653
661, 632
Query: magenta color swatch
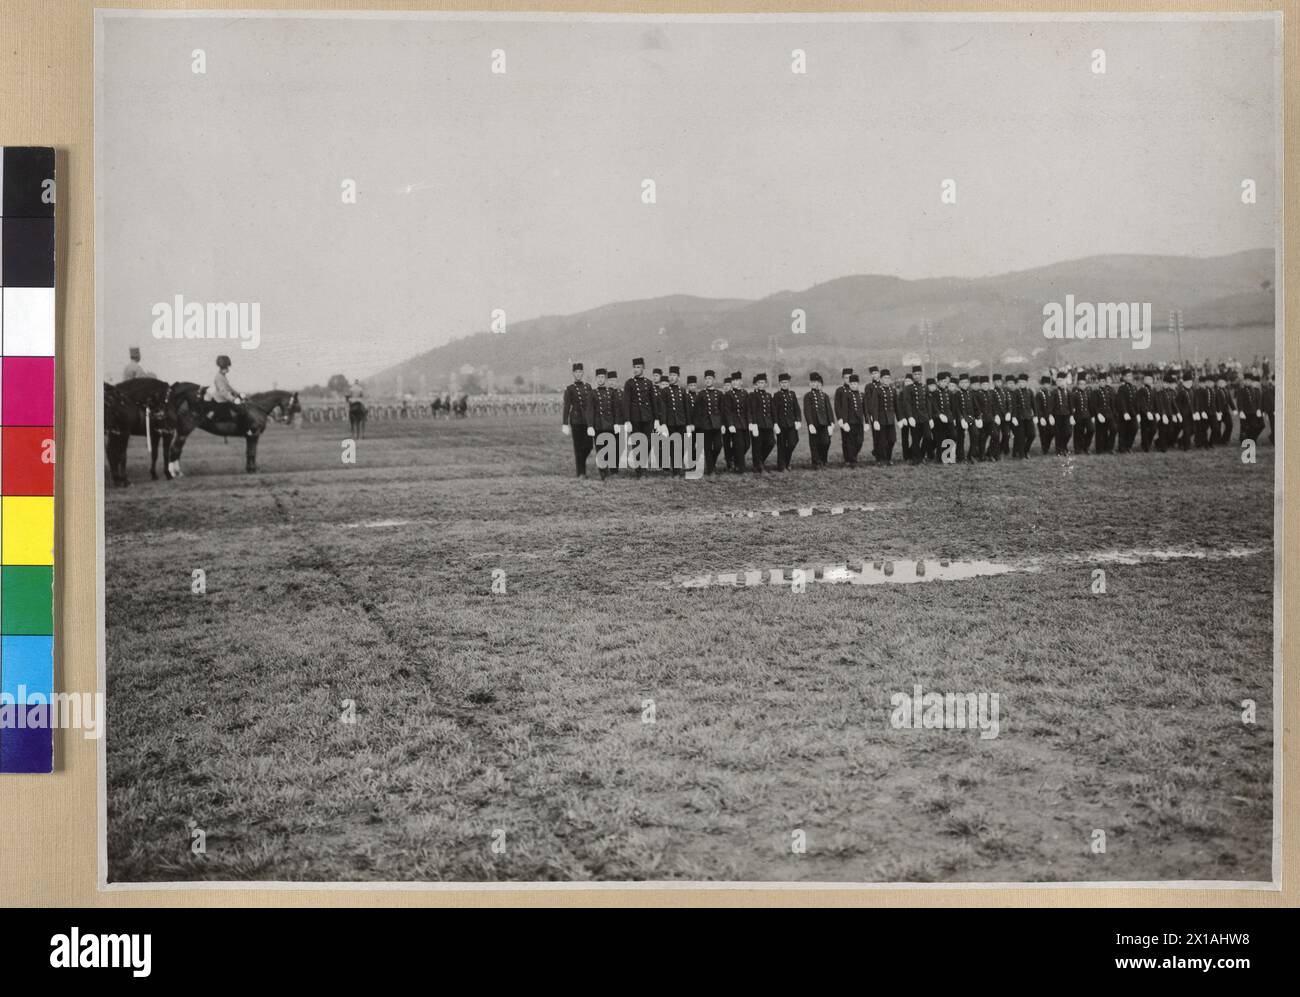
28, 392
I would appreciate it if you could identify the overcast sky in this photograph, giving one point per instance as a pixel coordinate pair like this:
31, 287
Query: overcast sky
522, 191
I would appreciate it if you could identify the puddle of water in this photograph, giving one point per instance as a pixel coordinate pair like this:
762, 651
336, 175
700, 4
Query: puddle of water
805, 511
869, 573
1137, 555
372, 524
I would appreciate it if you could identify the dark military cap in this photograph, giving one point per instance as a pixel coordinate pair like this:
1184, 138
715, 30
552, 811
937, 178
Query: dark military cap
759, 377
997, 377
1023, 377
709, 373
963, 376
674, 369
884, 372
638, 361
736, 375
577, 367
600, 371
611, 373
814, 376
691, 379
930, 380
1045, 379
223, 361
943, 374
846, 372
783, 377
916, 368
853, 379
872, 369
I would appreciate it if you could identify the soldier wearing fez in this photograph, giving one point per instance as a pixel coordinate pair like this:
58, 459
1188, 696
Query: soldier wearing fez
735, 414
884, 417
576, 419
606, 417
785, 422
710, 421
641, 407
819, 414
761, 423
674, 417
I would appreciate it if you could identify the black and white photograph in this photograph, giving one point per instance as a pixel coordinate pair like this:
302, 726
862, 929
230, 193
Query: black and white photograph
689, 449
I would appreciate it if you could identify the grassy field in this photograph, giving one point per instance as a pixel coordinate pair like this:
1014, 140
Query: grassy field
519, 717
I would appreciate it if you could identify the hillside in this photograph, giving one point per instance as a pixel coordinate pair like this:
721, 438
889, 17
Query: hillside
871, 318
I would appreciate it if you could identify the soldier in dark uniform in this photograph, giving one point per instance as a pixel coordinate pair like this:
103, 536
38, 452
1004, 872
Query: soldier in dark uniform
1166, 414
852, 422
997, 412
1042, 409
1103, 413
1185, 404
1024, 419
786, 422
1145, 407
605, 415
641, 410
911, 429
611, 382
1059, 417
760, 423
942, 427
884, 418
1250, 403
1202, 402
1223, 410
1126, 412
869, 394
736, 415
708, 419
576, 419
965, 414
842, 406
675, 415
1081, 417
819, 414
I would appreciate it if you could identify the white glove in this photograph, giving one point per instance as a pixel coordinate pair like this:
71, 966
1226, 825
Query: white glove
1259, 413
979, 423
1205, 415
963, 424
1165, 418
689, 430
1151, 415
663, 430
591, 430
564, 430
776, 429
1218, 416
1100, 417
1015, 421
656, 429
812, 430
731, 429
875, 425
753, 429
911, 421
943, 417
1008, 415
796, 426
1127, 417
627, 427
931, 423
1042, 421
1196, 417
997, 420
1071, 420
844, 425
1051, 420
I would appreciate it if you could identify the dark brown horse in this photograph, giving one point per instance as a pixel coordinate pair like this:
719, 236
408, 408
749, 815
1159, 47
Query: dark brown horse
248, 419
142, 406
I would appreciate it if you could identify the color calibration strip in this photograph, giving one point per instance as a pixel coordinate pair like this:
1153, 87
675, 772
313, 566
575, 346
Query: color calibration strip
26, 459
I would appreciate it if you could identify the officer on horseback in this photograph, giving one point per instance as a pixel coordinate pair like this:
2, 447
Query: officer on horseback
223, 394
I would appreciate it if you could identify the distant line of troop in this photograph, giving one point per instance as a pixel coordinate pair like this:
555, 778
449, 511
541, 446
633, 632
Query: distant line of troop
943, 419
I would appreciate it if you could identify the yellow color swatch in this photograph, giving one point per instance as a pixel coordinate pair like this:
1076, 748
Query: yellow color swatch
27, 529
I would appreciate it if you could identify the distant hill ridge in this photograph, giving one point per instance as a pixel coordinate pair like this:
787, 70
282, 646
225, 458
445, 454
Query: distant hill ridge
865, 318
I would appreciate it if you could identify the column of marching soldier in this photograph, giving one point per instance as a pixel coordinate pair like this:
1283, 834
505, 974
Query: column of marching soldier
941, 419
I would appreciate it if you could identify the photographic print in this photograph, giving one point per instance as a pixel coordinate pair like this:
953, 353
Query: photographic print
755, 449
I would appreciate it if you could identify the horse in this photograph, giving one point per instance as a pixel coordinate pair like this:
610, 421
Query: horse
224, 419
357, 418
140, 406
